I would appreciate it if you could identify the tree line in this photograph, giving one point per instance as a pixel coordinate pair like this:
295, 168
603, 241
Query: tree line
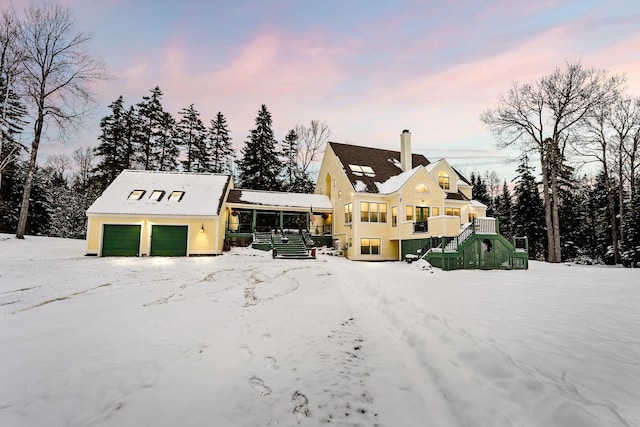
572, 116
145, 136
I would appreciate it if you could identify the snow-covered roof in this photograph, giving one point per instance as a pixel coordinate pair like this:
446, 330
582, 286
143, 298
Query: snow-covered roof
367, 167
394, 183
277, 199
203, 194
477, 204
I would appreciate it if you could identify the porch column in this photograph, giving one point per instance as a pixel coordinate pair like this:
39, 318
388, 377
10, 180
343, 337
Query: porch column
281, 220
253, 220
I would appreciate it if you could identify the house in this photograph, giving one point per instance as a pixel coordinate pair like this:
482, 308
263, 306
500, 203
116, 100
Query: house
159, 213
388, 205
371, 204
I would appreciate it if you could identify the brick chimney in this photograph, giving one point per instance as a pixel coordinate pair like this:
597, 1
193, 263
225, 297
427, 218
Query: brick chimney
405, 150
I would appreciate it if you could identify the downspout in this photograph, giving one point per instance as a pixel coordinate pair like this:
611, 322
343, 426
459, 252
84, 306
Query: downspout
399, 225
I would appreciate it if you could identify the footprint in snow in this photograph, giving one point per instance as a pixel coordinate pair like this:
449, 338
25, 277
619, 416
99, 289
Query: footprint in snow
270, 362
260, 386
301, 404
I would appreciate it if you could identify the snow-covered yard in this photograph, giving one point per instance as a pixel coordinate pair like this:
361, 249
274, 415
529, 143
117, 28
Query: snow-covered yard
244, 340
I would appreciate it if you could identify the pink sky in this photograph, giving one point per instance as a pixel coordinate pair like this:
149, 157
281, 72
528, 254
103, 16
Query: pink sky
368, 70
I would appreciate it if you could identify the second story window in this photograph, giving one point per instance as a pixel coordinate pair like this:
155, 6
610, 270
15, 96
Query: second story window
409, 213
443, 180
348, 213
373, 212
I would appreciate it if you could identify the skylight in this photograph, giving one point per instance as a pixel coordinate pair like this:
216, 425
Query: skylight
362, 170
156, 195
136, 195
176, 196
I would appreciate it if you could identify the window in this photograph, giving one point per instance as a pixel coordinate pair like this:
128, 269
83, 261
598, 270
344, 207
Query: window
422, 213
362, 170
452, 211
348, 213
156, 195
176, 196
394, 216
136, 195
443, 180
373, 212
364, 211
369, 246
421, 188
409, 216
435, 211
472, 217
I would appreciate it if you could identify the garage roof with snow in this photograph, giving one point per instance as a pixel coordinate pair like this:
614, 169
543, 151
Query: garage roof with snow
136, 192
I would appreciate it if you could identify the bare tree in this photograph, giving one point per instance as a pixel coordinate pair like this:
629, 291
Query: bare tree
58, 72
83, 159
311, 142
59, 165
541, 116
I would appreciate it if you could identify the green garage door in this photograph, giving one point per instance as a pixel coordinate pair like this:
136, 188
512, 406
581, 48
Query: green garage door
169, 240
120, 240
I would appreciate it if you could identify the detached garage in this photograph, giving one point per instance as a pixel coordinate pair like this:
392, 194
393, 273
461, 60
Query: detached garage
146, 213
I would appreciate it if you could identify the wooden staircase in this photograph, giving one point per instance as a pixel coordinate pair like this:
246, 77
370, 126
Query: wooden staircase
291, 246
479, 246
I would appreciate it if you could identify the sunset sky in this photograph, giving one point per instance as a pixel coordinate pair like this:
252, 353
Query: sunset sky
369, 69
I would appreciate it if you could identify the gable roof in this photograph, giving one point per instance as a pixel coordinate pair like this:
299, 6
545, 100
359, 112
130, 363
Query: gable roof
384, 163
319, 202
203, 194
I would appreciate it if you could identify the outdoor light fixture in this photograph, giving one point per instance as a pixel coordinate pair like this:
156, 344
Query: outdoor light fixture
202, 227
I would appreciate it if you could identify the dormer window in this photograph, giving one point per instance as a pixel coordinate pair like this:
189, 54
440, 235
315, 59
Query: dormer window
136, 195
176, 196
156, 195
443, 180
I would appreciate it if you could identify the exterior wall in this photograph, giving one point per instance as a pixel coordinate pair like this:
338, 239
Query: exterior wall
333, 182
443, 225
208, 242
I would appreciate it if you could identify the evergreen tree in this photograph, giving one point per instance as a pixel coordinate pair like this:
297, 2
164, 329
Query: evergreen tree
38, 219
480, 192
191, 134
528, 210
150, 116
115, 148
290, 153
11, 125
220, 143
167, 149
503, 213
260, 165
631, 242
600, 241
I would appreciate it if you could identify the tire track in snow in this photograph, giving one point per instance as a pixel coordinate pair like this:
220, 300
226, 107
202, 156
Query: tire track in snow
480, 383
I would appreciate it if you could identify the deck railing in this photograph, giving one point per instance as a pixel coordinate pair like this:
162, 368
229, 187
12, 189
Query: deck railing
485, 225
420, 226
478, 226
